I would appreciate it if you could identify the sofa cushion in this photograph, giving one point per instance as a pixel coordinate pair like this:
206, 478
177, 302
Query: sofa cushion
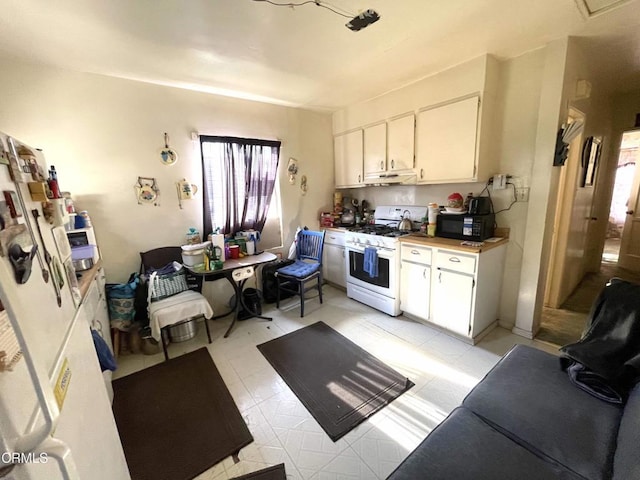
530, 399
464, 447
625, 462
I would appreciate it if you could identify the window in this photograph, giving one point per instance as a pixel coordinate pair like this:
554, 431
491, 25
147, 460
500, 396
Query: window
239, 180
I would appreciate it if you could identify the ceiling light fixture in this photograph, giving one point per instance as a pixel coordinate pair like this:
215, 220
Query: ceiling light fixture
356, 22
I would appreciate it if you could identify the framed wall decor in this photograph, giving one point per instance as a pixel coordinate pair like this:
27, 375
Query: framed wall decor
19, 169
589, 161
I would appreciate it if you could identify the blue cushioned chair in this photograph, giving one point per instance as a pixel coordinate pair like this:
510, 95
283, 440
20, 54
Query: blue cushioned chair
307, 267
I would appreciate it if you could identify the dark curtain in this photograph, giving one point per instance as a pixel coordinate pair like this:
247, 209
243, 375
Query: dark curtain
239, 177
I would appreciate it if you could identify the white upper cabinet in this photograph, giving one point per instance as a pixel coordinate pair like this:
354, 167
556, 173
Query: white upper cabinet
446, 142
400, 144
375, 149
348, 157
438, 130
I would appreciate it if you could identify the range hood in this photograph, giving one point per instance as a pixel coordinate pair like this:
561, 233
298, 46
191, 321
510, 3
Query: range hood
407, 178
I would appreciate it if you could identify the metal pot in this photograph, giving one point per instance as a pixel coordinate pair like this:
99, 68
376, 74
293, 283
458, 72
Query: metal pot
83, 264
405, 224
348, 218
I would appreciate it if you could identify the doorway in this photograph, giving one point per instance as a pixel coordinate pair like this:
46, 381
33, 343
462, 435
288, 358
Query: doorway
563, 324
622, 244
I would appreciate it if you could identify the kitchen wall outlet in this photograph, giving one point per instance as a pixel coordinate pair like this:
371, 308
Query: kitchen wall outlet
522, 194
499, 181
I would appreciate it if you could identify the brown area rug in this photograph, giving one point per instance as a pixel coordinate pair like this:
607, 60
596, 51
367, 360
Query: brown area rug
339, 383
271, 473
177, 419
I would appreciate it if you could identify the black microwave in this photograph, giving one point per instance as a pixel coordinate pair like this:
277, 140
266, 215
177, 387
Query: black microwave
465, 226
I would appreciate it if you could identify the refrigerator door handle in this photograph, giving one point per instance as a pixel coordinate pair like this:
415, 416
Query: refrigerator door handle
62, 453
44, 393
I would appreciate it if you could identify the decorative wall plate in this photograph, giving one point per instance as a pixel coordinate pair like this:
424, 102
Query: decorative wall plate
147, 194
168, 155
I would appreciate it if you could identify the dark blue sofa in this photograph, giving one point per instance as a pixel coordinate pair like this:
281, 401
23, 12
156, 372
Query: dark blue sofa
526, 421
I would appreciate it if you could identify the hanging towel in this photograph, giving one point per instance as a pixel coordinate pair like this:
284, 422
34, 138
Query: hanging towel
371, 261
105, 357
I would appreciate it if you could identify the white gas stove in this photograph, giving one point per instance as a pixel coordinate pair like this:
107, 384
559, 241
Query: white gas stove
380, 290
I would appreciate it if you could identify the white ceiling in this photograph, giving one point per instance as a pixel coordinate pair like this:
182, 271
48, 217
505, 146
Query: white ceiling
305, 56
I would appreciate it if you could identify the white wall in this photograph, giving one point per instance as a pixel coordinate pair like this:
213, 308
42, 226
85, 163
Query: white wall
102, 133
518, 100
461, 80
544, 186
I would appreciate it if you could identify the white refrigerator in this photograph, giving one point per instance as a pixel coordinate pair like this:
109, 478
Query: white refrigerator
55, 407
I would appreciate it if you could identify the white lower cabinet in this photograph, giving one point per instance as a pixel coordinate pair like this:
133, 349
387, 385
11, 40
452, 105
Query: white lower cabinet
453, 300
462, 293
334, 264
415, 280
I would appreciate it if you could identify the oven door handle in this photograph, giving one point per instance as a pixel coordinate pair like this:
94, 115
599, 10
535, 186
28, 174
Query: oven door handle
382, 250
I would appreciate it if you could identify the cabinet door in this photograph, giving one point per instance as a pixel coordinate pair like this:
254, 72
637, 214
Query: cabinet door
348, 159
446, 139
400, 143
334, 264
415, 286
375, 149
452, 300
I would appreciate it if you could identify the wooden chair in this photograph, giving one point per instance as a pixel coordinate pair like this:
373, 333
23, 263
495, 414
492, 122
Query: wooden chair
307, 267
180, 308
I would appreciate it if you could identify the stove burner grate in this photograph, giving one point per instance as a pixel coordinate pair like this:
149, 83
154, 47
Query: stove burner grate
380, 230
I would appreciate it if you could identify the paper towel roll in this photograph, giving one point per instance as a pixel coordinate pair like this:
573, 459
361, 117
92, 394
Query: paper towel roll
433, 213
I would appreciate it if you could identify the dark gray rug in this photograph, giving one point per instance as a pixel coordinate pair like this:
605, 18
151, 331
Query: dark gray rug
339, 383
177, 419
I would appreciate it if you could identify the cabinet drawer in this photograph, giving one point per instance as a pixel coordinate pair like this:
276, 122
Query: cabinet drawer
331, 237
456, 262
415, 254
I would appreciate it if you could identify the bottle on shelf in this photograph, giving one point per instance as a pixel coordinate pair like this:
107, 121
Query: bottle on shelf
423, 225
466, 201
53, 183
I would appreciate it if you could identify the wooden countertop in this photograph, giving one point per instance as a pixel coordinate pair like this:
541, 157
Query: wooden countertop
86, 277
439, 242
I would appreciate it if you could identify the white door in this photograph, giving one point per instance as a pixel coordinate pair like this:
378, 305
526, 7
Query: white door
375, 149
334, 264
630, 242
446, 138
452, 301
401, 143
348, 159
415, 286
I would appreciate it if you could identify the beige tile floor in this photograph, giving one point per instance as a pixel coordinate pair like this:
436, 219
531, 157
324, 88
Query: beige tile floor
443, 368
